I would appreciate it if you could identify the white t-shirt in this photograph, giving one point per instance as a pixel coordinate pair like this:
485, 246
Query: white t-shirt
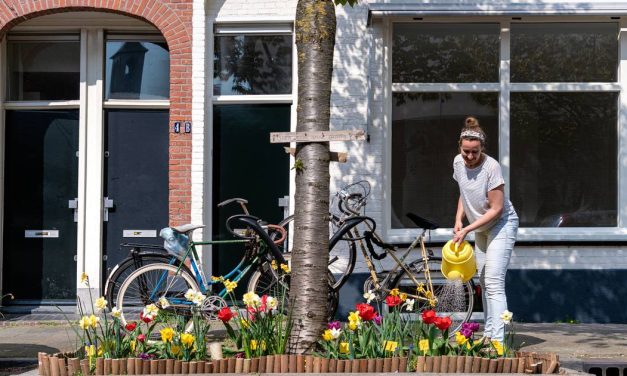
474, 185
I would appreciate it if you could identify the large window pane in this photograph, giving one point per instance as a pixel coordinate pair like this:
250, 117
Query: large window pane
425, 136
43, 70
563, 148
564, 52
253, 64
137, 70
445, 52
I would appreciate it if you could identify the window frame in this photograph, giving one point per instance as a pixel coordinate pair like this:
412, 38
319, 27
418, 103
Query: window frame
504, 88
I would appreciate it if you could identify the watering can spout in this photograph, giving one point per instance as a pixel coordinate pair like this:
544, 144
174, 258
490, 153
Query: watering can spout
458, 262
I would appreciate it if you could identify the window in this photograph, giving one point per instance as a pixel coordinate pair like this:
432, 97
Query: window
547, 95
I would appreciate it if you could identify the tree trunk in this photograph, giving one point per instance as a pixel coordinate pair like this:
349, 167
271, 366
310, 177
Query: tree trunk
315, 40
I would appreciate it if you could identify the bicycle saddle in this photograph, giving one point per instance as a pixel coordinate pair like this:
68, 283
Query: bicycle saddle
186, 228
421, 222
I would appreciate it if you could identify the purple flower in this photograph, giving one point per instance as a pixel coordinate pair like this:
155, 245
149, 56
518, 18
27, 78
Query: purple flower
466, 332
377, 319
146, 356
240, 355
334, 325
471, 326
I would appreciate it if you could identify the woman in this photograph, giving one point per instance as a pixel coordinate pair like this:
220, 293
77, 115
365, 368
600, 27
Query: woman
490, 215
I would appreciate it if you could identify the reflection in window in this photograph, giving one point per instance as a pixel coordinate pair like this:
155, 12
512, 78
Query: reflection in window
43, 70
137, 70
425, 135
564, 52
253, 64
563, 164
445, 52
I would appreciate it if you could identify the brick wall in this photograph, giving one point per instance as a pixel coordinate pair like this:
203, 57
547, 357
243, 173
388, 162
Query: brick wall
173, 18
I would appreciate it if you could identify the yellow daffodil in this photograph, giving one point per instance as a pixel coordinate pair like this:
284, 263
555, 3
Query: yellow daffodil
84, 322
327, 336
132, 343
354, 320
230, 285
394, 292
251, 299
353, 325
100, 304
403, 296
344, 348
273, 265
115, 312
460, 338
175, 350
498, 346
423, 345
390, 346
254, 344
245, 324
285, 268
187, 340
93, 321
84, 279
167, 334
151, 309
90, 351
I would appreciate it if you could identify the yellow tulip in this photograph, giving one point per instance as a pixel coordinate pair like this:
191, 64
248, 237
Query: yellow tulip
175, 349
327, 336
460, 338
423, 345
285, 268
344, 348
498, 346
132, 343
90, 350
187, 339
390, 346
167, 334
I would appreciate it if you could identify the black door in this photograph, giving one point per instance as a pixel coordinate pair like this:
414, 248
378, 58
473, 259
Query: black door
136, 179
246, 165
40, 178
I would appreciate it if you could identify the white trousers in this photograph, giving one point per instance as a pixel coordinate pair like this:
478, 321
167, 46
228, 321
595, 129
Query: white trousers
497, 243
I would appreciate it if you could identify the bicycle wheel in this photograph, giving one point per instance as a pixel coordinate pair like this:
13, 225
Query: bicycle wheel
148, 284
265, 281
122, 270
454, 298
342, 254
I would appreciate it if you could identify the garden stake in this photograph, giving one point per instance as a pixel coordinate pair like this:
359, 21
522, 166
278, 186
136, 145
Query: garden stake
262, 364
493, 366
277, 363
477, 365
254, 365
420, 364
402, 365
246, 366
379, 365
308, 363
73, 366
351, 367
269, 364
185, 368
230, 365
154, 366
444, 364
200, 367
515, 362
371, 365
54, 366
99, 366
467, 364
169, 366
485, 365
61, 365
452, 364
324, 368
387, 364
363, 365
459, 367
161, 366
239, 365
292, 363
115, 366
507, 365
285, 363
178, 367
193, 367
316, 365
499, 365
107, 366
300, 363
429, 364
395, 362
340, 366
145, 367
85, 367
437, 362
40, 363
123, 364
332, 365
137, 366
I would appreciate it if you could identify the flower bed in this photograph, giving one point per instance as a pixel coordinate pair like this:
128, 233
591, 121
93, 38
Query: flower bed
64, 365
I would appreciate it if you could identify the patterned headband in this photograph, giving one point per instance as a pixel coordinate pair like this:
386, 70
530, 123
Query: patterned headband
472, 134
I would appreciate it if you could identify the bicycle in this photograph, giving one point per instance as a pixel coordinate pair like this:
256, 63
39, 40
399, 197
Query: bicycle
165, 284
420, 279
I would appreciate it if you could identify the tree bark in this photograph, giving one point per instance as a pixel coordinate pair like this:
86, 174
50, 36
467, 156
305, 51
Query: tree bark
315, 40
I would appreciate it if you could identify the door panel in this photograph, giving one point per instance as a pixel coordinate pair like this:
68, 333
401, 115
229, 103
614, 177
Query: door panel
246, 165
41, 176
136, 179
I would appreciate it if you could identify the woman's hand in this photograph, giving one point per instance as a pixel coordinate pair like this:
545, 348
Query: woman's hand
460, 235
458, 226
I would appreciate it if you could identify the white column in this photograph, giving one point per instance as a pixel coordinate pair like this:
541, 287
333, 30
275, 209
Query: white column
622, 127
504, 118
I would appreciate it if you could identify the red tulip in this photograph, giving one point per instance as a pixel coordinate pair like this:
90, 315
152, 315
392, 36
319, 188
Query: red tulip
366, 311
393, 301
443, 323
428, 317
141, 338
225, 314
131, 326
146, 319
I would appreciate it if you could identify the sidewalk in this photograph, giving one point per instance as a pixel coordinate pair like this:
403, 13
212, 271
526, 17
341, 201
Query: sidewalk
574, 343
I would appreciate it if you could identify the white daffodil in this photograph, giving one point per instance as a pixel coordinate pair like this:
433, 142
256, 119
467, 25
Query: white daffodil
115, 312
190, 294
251, 299
335, 333
272, 303
100, 304
163, 302
370, 296
199, 298
409, 304
506, 316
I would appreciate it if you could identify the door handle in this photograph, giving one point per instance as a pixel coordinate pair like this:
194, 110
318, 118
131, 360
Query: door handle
73, 204
106, 205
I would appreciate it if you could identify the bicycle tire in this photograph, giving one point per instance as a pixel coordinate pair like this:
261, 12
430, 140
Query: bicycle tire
135, 290
122, 270
264, 281
455, 298
342, 254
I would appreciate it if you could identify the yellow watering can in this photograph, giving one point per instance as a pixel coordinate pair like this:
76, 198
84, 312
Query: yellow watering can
458, 262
